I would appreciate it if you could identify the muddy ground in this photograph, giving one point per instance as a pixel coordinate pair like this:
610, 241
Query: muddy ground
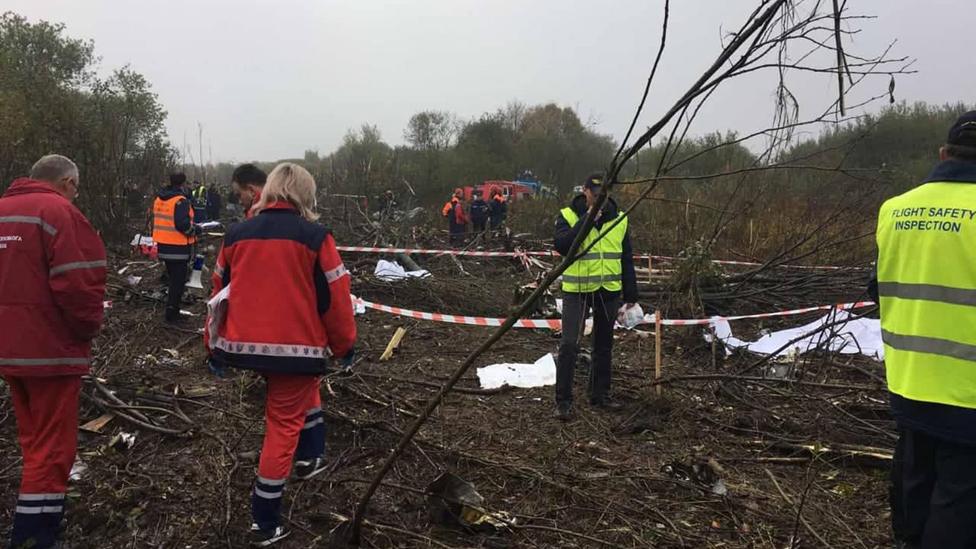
725, 457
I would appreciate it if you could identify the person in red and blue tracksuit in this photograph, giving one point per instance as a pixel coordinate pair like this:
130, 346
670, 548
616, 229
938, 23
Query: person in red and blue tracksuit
52, 286
289, 309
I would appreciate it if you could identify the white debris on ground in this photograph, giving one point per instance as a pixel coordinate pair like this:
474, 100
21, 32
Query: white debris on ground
391, 270
851, 335
539, 374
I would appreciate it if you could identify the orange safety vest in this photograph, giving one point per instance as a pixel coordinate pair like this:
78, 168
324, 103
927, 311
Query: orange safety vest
164, 224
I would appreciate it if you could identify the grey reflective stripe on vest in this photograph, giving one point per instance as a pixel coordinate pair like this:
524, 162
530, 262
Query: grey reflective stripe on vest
174, 257
61, 361
928, 292
597, 256
78, 265
931, 345
168, 230
30, 219
572, 279
163, 216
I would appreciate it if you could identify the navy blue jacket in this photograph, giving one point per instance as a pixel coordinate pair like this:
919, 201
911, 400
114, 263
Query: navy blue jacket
479, 211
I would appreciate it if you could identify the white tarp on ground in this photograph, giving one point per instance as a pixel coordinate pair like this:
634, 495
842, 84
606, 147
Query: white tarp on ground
850, 335
391, 270
539, 374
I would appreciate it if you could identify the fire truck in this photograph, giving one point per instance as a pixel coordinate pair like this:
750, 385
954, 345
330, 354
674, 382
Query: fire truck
526, 185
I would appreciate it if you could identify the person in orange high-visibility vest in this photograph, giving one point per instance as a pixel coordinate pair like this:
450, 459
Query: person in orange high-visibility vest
457, 219
174, 233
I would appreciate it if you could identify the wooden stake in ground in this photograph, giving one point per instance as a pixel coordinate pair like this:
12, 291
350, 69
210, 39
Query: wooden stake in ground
657, 351
394, 343
650, 270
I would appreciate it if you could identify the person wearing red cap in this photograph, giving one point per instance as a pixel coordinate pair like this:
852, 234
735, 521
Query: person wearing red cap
926, 286
52, 283
457, 219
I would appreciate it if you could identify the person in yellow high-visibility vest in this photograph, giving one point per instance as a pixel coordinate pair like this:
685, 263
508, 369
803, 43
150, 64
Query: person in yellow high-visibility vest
174, 233
596, 282
926, 286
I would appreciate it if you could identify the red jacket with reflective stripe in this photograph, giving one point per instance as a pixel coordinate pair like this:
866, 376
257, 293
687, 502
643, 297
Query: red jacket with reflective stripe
289, 295
52, 283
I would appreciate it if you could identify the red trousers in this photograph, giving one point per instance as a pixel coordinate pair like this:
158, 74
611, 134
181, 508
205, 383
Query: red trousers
47, 428
294, 430
290, 400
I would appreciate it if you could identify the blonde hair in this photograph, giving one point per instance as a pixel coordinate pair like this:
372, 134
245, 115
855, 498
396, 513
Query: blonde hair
291, 183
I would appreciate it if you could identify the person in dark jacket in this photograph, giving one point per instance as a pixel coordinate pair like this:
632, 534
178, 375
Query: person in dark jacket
478, 212
288, 309
198, 198
457, 220
596, 282
924, 284
214, 206
174, 232
497, 209
52, 283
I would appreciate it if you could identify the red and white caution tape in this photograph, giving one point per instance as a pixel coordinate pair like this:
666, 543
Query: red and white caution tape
793, 312
550, 323
552, 253
555, 324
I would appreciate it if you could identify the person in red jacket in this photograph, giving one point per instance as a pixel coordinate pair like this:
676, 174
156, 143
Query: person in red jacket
52, 283
457, 219
288, 309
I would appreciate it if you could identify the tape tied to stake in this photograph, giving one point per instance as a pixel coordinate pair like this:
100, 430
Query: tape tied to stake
555, 324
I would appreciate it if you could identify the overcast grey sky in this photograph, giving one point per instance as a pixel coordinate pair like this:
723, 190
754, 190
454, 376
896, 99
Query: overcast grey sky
270, 79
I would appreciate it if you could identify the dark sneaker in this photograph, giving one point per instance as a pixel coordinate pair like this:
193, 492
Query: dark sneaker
564, 411
267, 538
607, 404
305, 470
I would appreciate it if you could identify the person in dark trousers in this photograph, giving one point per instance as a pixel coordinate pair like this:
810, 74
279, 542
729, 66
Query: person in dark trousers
925, 283
478, 213
457, 220
289, 309
214, 206
174, 232
497, 209
52, 283
595, 282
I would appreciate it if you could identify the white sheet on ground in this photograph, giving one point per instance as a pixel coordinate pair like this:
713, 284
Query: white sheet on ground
857, 335
391, 270
539, 374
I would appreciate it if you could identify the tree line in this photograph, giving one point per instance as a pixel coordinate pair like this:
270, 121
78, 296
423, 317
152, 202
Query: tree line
52, 100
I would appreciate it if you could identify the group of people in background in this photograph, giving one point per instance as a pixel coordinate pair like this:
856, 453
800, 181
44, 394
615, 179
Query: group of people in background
482, 215
277, 264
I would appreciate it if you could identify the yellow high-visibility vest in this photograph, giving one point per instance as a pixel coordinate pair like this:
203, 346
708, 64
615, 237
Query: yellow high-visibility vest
601, 266
927, 284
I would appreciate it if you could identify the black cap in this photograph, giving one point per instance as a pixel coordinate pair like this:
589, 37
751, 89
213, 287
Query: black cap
593, 181
963, 132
